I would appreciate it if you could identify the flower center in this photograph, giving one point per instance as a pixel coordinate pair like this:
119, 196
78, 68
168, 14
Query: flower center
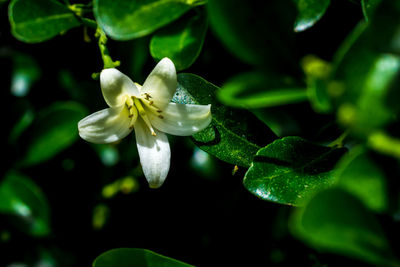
135, 108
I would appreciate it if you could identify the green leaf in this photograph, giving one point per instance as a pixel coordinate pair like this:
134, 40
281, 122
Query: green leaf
131, 257
361, 177
319, 88
258, 90
181, 41
54, 129
34, 21
255, 31
367, 69
335, 221
124, 20
23, 199
25, 72
291, 169
310, 11
368, 7
233, 136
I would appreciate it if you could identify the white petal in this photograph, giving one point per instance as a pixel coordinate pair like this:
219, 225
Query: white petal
181, 119
154, 153
105, 126
161, 84
116, 86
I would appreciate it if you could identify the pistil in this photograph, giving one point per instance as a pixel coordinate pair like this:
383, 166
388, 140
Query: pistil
143, 114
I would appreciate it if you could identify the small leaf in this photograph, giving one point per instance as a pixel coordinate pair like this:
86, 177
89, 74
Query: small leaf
233, 136
181, 41
124, 20
258, 90
34, 21
310, 11
22, 198
54, 129
360, 176
132, 257
335, 221
291, 169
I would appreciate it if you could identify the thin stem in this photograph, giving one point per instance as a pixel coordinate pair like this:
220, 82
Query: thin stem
107, 60
339, 142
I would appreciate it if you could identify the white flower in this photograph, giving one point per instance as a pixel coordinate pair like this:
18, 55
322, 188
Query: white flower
149, 112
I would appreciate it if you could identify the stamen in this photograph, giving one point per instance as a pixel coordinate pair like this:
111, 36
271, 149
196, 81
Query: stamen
133, 113
129, 102
143, 114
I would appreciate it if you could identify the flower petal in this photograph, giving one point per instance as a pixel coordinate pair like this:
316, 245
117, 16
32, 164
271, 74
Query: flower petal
116, 86
154, 154
181, 119
161, 84
105, 126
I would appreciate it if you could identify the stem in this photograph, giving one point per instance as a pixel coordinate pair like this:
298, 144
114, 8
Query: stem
107, 60
340, 140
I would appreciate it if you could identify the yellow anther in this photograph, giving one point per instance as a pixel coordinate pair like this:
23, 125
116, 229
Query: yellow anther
133, 114
129, 102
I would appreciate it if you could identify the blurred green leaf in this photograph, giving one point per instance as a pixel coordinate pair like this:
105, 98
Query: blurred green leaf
22, 198
368, 7
360, 176
291, 169
335, 221
25, 72
34, 21
367, 66
255, 31
310, 11
131, 257
54, 129
124, 20
22, 124
233, 136
320, 89
181, 41
257, 90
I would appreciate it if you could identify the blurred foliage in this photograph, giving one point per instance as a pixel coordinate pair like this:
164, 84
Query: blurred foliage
299, 165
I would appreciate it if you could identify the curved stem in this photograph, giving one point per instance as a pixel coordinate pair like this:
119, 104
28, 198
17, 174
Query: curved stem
107, 60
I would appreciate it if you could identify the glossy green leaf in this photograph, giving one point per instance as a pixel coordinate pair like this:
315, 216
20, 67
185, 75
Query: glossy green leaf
255, 31
34, 21
54, 129
360, 176
291, 169
132, 257
24, 200
233, 136
310, 11
335, 221
258, 90
181, 41
124, 20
